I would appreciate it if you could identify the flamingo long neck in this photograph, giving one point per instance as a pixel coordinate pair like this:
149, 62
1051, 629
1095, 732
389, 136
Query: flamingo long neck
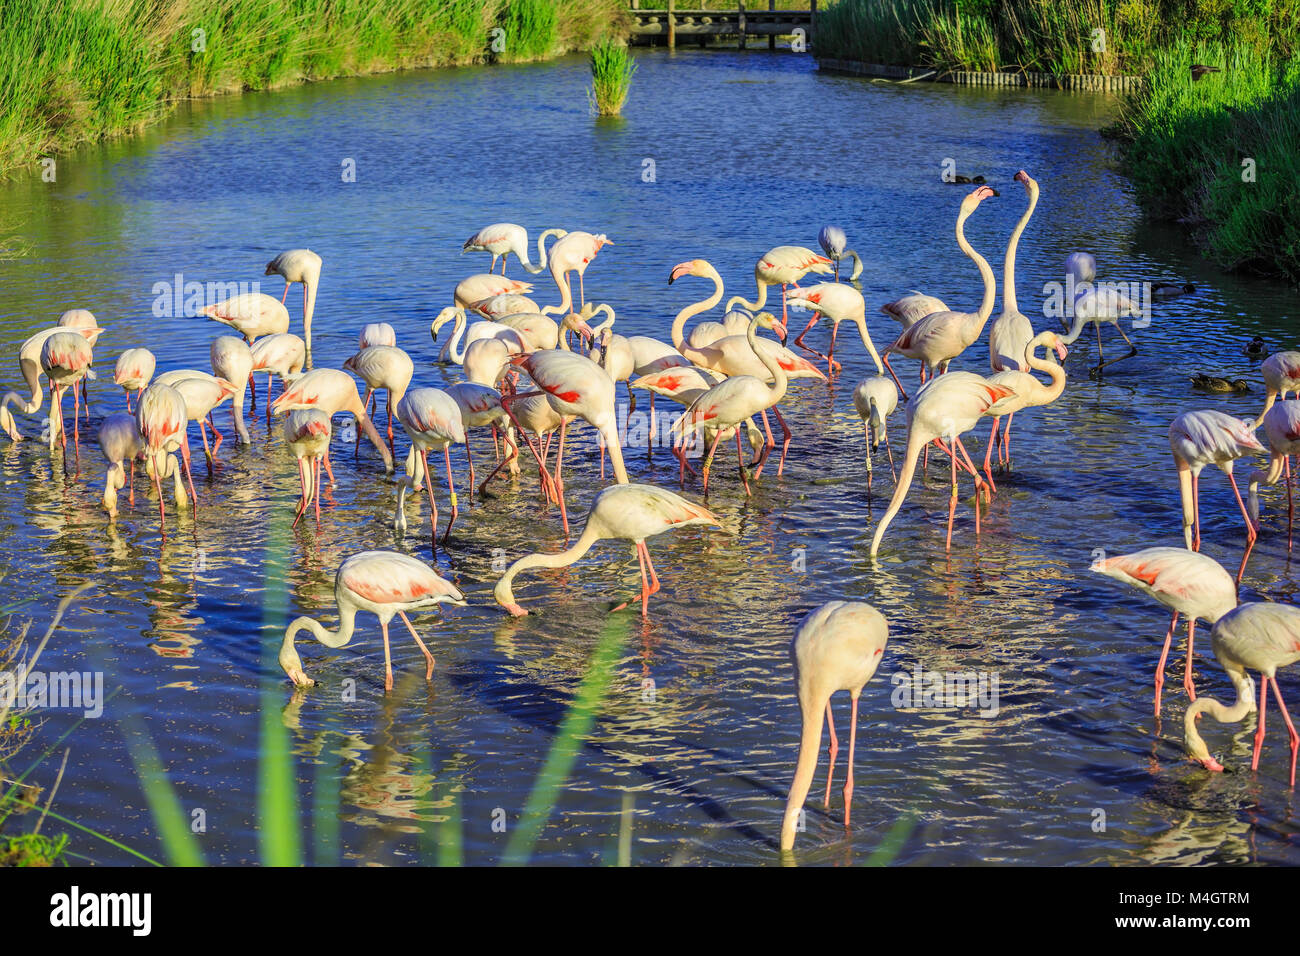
541, 252
1244, 705
32, 376
308, 308
609, 432
916, 441
358, 411
857, 263
809, 745
861, 322
1188, 499
462, 323
704, 305
504, 593
757, 304
776, 390
566, 295
1046, 394
1009, 267
986, 273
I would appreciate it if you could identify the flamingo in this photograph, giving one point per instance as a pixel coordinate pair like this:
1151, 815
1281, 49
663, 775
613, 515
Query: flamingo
483, 285
1205, 438
377, 333
202, 394
940, 337
1097, 305
120, 441
729, 403
630, 512
503, 238
299, 265
1010, 333
1262, 637
837, 647
839, 303
1281, 376
946, 407
537, 331
1081, 267
232, 360
480, 407
385, 583
1187, 583
1282, 429
252, 315
332, 391
503, 304
833, 242
875, 399
432, 420
573, 253
1030, 393
577, 386
912, 308
684, 385
307, 433
387, 367
29, 363
283, 354
532, 412
133, 371
783, 266
473, 332
79, 319
705, 334
66, 358
160, 416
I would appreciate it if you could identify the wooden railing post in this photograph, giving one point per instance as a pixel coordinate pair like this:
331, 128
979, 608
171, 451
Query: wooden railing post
812, 22
741, 22
771, 37
672, 25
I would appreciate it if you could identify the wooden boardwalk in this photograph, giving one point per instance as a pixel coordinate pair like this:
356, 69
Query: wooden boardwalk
741, 22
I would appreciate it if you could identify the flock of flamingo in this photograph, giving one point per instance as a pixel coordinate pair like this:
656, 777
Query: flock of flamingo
526, 382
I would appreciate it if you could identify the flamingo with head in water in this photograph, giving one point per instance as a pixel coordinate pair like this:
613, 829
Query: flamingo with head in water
299, 265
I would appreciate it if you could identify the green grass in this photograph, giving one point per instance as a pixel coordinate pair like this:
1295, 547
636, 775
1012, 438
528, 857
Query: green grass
73, 71
612, 68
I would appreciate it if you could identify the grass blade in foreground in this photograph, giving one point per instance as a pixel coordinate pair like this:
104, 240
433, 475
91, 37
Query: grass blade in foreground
277, 793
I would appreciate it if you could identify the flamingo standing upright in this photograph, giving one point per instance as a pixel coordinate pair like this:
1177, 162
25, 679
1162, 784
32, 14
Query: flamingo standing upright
333, 391
573, 253
940, 337
875, 399
232, 360
1010, 333
631, 512
947, 406
307, 433
134, 369
160, 415
1187, 583
834, 242
1096, 303
733, 400
1030, 392
1205, 438
432, 420
386, 367
1261, 637
837, 647
385, 583
66, 358
283, 354
783, 266
299, 265
120, 441
1281, 373
1282, 429
502, 238
839, 303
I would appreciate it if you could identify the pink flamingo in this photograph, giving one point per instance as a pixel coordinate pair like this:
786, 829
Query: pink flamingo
834, 243
299, 265
537, 331
160, 415
1187, 583
731, 402
1262, 637
912, 308
134, 369
1281, 376
232, 360
80, 319
432, 420
505, 303
283, 354
202, 394
377, 333
630, 512
1030, 392
1282, 429
875, 399
29, 363
386, 367
480, 407
307, 433
66, 358
837, 647
530, 412
1010, 333
483, 285
252, 315
573, 253
940, 337
839, 303
385, 583
783, 266
1205, 438
332, 391
947, 406
120, 441
503, 238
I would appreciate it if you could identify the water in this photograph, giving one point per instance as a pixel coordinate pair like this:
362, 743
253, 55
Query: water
749, 151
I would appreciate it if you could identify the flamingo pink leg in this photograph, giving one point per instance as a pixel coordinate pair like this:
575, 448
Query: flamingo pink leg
1259, 728
832, 749
428, 658
848, 783
1164, 657
388, 658
1295, 738
1188, 684
451, 488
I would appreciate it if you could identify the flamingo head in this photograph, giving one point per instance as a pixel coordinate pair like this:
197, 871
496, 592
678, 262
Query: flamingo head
1052, 341
692, 267
443, 317
1195, 746
505, 596
292, 665
977, 196
602, 241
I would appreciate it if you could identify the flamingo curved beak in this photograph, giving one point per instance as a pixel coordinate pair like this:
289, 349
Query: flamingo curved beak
1022, 177
681, 269
1061, 351
515, 610
1209, 763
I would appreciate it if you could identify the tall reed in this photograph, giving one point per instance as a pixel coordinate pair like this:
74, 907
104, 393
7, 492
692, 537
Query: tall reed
612, 68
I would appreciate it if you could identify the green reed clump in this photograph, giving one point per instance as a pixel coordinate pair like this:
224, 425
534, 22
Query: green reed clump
1218, 154
74, 71
612, 68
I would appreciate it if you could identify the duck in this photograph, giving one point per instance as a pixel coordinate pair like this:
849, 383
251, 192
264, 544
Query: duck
1170, 290
1214, 383
967, 180
1200, 69
1256, 348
